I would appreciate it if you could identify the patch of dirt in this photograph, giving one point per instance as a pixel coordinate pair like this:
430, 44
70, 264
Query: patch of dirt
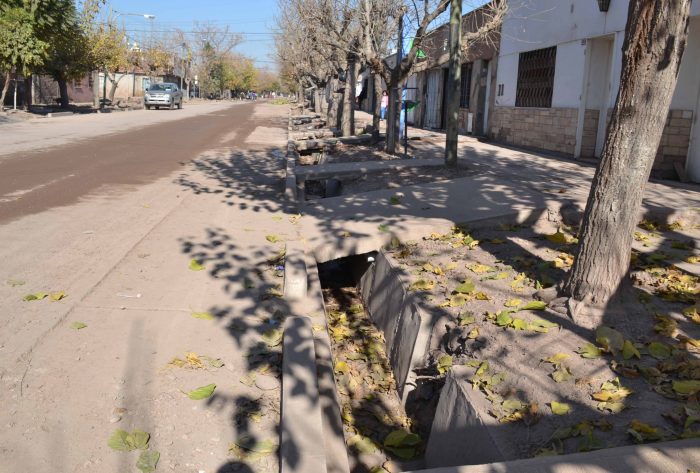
551, 386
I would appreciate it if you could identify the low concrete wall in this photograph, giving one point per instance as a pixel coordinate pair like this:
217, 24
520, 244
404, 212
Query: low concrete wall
407, 328
459, 435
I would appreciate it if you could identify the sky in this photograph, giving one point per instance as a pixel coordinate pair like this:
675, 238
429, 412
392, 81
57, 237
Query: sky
253, 18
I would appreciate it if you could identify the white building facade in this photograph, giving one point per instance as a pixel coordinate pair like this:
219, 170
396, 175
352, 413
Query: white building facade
558, 75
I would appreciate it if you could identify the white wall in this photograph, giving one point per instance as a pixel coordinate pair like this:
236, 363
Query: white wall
568, 75
536, 24
508, 76
598, 75
686, 94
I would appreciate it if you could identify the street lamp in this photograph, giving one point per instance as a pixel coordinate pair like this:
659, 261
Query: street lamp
145, 15
148, 17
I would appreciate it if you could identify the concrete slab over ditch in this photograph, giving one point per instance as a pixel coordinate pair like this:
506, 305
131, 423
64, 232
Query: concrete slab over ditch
679, 456
348, 140
325, 171
360, 223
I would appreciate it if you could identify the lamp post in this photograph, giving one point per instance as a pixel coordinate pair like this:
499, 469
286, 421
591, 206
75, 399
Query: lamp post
148, 17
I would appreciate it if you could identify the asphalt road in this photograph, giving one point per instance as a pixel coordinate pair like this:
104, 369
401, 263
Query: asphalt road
34, 181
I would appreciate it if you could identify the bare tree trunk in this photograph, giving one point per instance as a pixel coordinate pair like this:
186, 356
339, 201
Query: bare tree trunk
655, 38
322, 100
318, 98
355, 73
377, 106
334, 110
114, 83
5, 88
348, 116
454, 82
96, 88
63, 92
392, 118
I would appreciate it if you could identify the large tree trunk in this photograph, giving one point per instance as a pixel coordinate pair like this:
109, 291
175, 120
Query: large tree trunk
63, 91
5, 88
655, 38
376, 106
454, 82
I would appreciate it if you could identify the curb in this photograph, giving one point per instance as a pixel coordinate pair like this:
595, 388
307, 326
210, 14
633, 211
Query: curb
301, 420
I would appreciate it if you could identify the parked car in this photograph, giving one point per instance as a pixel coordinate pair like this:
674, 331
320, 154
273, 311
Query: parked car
163, 95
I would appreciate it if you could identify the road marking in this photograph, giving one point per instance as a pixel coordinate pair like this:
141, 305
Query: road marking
16, 195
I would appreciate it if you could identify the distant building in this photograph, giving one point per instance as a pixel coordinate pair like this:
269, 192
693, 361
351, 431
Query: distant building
478, 75
558, 76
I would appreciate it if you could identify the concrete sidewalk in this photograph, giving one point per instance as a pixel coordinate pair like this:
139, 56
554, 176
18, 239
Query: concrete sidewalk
512, 185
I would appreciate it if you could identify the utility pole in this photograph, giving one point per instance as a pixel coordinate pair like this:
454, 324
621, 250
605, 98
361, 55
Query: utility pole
454, 80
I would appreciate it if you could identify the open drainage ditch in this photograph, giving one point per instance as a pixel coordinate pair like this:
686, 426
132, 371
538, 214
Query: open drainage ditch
380, 435
521, 381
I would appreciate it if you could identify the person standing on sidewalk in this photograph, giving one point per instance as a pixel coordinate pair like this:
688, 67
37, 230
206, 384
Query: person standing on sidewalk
384, 103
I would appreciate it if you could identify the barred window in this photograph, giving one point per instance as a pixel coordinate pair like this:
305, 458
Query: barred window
536, 78
465, 85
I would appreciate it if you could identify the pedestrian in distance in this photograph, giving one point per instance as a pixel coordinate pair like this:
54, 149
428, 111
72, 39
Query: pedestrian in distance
385, 103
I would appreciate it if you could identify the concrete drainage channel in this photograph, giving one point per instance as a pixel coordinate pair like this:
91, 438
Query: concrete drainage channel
317, 395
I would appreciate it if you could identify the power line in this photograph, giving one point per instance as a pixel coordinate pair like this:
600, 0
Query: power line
230, 33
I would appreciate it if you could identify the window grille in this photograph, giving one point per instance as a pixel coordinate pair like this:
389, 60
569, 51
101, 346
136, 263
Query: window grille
465, 85
536, 78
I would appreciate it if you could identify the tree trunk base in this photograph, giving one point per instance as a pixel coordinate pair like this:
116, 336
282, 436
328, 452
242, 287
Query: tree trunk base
582, 313
623, 305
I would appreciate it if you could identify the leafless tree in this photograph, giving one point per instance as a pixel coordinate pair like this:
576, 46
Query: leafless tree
211, 43
476, 30
655, 39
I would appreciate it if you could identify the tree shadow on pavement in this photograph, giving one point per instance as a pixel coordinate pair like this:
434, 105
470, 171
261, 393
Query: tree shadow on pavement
253, 181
